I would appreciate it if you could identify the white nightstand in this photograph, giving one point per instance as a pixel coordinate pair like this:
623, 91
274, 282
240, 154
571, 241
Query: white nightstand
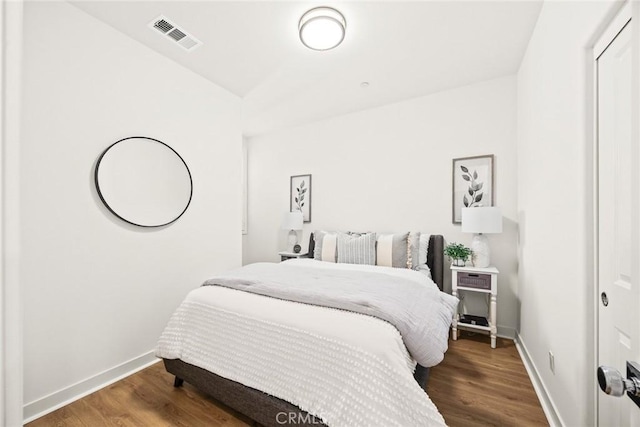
288, 255
481, 280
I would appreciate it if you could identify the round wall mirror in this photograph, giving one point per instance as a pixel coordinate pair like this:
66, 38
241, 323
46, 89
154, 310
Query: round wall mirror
143, 181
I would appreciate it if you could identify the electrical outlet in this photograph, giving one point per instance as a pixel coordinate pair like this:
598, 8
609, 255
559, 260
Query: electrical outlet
552, 363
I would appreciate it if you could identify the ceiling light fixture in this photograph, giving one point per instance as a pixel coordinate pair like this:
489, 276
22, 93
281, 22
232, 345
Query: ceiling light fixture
322, 28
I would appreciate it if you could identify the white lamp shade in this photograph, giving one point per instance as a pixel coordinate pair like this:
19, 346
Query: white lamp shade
481, 220
292, 221
322, 28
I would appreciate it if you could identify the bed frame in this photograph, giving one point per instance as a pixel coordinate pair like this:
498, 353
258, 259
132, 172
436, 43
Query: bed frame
261, 407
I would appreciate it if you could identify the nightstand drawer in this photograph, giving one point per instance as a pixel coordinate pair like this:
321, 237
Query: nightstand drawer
474, 280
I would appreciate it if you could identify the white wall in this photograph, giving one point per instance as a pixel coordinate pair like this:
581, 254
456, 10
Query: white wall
11, 18
389, 169
555, 203
97, 291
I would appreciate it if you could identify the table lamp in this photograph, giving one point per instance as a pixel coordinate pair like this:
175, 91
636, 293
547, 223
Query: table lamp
481, 221
292, 221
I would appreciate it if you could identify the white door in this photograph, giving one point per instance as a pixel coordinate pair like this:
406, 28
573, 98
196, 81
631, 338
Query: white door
618, 219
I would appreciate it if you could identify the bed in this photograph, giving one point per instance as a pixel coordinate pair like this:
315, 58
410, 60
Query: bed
263, 407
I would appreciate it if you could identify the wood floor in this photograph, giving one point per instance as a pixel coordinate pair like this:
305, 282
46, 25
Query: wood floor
473, 386
478, 386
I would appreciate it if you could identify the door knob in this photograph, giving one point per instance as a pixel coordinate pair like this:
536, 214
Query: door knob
612, 382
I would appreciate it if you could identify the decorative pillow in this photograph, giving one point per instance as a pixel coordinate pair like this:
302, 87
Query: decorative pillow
422, 254
325, 246
392, 250
413, 250
419, 246
424, 248
355, 248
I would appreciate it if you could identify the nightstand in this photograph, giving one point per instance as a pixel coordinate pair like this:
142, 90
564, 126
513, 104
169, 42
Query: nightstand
479, 280
288, 255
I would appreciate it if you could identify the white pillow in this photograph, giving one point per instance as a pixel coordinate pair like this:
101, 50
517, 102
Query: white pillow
424, 248
418, 248
329, 247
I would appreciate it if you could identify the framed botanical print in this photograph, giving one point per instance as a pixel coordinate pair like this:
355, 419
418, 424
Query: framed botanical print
300, 195
472, 184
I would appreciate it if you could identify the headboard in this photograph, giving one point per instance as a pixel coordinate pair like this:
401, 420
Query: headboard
435, 257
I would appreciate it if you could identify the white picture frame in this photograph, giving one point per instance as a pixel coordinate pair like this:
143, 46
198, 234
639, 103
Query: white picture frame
300, 195
472, 184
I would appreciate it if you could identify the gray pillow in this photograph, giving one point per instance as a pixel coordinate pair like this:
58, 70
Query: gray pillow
318, 237
356, 248
414, 249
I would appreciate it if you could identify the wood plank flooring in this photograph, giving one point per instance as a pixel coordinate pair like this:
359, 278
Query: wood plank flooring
473, 386
479, 386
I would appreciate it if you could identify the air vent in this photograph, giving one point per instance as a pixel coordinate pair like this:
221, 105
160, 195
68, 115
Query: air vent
177, 35
163, 25
188, 43
174, 33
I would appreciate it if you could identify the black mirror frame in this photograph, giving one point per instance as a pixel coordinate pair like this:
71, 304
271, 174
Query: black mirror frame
97, 184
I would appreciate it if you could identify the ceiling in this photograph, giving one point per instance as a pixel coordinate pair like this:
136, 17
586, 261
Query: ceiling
402, 49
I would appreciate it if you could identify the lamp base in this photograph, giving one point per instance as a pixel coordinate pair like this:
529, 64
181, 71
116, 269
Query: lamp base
293, 239
481, 252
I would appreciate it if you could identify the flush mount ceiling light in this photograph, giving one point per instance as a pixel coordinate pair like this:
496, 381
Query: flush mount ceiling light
322, 28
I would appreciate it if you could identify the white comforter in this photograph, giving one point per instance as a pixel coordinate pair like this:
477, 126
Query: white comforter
347, 369
407, 299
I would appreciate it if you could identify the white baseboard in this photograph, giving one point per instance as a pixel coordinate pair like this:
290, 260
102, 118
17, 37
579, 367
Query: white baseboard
549, 408
60, 398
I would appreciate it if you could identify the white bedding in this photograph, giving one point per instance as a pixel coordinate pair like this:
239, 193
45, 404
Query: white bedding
407, 299
347, 369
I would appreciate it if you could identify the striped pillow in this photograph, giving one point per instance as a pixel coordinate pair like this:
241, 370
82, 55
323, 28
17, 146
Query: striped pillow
325, 246
356, 248
392, 250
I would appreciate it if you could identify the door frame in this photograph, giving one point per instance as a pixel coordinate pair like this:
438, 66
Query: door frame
11, 382
630, 10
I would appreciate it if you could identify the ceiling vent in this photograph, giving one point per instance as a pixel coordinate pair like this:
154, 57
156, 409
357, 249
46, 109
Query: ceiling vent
174, 33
